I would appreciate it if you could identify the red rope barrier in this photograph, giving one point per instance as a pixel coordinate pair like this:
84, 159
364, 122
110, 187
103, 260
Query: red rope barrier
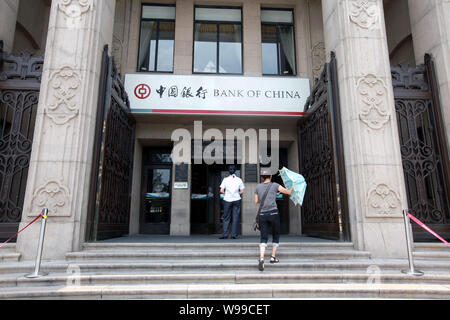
41, 215
420, 223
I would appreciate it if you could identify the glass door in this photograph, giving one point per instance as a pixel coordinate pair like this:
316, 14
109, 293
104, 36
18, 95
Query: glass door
156, 195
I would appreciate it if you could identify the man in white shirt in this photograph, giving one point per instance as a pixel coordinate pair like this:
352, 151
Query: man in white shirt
233, 187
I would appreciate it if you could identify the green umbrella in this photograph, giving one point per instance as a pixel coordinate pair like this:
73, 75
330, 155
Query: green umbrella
292, 179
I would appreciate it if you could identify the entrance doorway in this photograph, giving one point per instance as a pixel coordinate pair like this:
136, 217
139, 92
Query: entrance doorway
156, 192
206, 200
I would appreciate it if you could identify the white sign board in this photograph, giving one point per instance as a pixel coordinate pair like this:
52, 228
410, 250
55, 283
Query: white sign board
181, 185
216, 95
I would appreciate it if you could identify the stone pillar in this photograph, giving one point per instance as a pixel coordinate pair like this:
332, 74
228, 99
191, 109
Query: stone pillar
355, 30
430, 23
251, 24
249, 208
184, 37
180, 219
60, 168
316, 34
8, 20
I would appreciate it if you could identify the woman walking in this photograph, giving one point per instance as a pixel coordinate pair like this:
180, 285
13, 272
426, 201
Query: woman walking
269, 219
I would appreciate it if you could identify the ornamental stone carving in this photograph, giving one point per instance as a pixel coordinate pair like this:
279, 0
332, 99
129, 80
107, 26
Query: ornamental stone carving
64, 86
117, 51
53, 196
364, 13
382, 201
373, 100
74, 10
318, 59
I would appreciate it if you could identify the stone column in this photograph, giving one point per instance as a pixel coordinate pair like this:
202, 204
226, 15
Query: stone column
355, 30
8, 20
60, 168
184, 37
180, 219
251, 25
430, 23
249, 208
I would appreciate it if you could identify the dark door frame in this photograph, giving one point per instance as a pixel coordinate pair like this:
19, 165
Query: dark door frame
154, 228
325, 212
425, 159
214, 206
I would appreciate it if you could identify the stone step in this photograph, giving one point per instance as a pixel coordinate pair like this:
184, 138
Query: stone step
8, 247
234, 291
9, 256
432, 255
430, 246
191, 255
8, 253
213, 266
226, 245
219, 278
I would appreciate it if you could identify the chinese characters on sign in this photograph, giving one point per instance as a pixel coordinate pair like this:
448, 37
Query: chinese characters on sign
223, 95
173, 92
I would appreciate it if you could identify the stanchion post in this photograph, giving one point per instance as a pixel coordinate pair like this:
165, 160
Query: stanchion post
411, 270
37, 266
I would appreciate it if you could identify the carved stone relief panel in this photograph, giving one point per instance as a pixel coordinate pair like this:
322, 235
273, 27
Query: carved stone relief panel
54, 196
318, 59
382, 200
373, 99
364, 13
62, 104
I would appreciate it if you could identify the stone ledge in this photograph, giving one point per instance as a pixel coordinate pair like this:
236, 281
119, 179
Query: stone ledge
164, 291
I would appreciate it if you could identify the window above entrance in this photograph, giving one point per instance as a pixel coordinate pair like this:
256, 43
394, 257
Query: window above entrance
218, 40
278, 42
157, 38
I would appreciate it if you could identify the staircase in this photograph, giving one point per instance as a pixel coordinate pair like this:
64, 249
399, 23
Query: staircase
218, 270
8, 253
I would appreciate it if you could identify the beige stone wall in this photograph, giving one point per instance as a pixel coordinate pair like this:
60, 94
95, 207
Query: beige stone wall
355, 30
122, 24
309, 33
8, 17
398, 32
309, 29
32, 26
60, 166
318, 54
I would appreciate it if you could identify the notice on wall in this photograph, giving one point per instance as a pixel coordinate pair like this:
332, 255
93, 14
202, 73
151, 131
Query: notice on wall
173, 94
251, 173
181, 185
181, 173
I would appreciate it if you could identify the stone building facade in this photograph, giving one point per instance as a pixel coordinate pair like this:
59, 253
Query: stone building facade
368, 37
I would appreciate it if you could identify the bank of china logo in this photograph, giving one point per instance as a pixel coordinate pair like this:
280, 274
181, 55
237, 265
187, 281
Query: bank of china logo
142, 91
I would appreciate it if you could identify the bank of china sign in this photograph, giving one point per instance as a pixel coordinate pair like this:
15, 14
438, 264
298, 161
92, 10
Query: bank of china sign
171, 94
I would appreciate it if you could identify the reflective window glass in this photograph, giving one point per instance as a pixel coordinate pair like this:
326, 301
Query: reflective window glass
230, 50
218, 14
269, 50
205, 48
157, 38
278, 42
218, 44
158, 12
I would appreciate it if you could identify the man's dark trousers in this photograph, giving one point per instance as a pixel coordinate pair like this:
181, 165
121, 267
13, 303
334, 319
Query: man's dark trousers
231, 211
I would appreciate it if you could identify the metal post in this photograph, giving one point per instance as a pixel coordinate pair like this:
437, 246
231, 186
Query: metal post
37, 266
411, 270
